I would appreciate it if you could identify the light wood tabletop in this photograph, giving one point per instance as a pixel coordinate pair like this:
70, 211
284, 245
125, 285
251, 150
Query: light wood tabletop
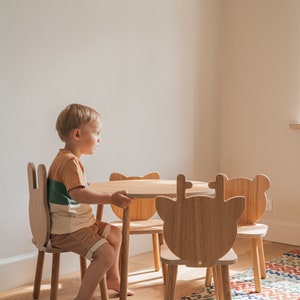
143, 189
149, 188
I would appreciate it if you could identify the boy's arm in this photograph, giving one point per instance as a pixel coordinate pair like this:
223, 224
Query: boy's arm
83, 195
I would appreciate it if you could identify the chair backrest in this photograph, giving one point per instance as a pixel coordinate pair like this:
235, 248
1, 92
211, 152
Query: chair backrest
140, 209
39, 214
200, 229
253, 190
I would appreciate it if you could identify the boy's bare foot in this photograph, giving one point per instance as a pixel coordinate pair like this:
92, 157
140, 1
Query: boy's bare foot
116, 287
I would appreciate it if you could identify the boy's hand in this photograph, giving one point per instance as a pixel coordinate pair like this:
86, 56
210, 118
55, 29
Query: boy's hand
120, 199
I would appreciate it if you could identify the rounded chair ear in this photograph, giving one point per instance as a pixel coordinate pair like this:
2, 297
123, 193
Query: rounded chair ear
265, 180
164, 205
117, 176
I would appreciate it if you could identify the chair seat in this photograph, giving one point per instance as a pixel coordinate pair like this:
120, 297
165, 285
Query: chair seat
54, 250
50, 249
143, 227
168, 257
252, 231
228, 259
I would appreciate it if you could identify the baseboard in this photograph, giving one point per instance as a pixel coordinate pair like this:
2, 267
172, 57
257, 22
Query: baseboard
19, 270
286, 233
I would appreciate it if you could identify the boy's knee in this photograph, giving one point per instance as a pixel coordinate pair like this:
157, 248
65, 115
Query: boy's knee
117, 233
106, 254
115, 236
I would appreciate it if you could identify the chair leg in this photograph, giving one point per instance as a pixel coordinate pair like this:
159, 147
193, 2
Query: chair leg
256, 266
38, 275
155, 251
164, 266
82, 266
208, 276
171, 282
218, 282
103, 288
261, 255
54, 276
225, 282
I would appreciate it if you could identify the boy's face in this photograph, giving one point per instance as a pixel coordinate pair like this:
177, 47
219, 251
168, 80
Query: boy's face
89, 137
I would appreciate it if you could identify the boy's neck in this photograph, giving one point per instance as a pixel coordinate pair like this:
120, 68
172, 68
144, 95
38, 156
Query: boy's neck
73, 149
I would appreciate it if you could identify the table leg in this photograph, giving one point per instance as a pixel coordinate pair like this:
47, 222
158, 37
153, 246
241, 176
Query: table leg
125, 253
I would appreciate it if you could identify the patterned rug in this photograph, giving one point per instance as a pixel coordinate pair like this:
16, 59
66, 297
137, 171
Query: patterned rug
282, 282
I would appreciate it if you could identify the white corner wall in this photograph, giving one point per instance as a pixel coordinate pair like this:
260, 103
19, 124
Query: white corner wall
149, 67
260, 97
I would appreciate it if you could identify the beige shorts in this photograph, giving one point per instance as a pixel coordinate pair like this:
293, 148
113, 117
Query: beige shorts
84, 241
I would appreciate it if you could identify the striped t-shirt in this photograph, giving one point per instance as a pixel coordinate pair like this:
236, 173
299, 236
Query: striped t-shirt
65, 173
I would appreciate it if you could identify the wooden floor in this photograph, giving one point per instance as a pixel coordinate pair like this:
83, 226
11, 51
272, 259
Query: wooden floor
145, 282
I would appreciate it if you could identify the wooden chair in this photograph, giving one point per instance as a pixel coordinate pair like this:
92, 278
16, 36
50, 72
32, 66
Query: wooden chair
39, 216
199, 231
255, 193
141, 211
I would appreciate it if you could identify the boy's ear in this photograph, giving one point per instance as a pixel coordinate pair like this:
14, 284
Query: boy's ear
76, 134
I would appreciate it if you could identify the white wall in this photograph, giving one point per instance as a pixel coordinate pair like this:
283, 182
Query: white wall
260, 97
149, 67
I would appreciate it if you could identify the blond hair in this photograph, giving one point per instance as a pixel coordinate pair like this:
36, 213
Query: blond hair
73, 116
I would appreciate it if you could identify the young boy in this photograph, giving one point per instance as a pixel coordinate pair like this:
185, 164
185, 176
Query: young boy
74, 227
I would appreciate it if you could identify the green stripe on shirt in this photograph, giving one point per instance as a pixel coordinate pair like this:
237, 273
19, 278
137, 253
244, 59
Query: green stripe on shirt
58, 194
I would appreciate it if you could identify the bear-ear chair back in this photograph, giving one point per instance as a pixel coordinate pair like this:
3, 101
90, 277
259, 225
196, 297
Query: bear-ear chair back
254, 190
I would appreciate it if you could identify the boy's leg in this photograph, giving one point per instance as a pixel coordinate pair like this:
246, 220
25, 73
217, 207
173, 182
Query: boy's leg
103, 259
114, 238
